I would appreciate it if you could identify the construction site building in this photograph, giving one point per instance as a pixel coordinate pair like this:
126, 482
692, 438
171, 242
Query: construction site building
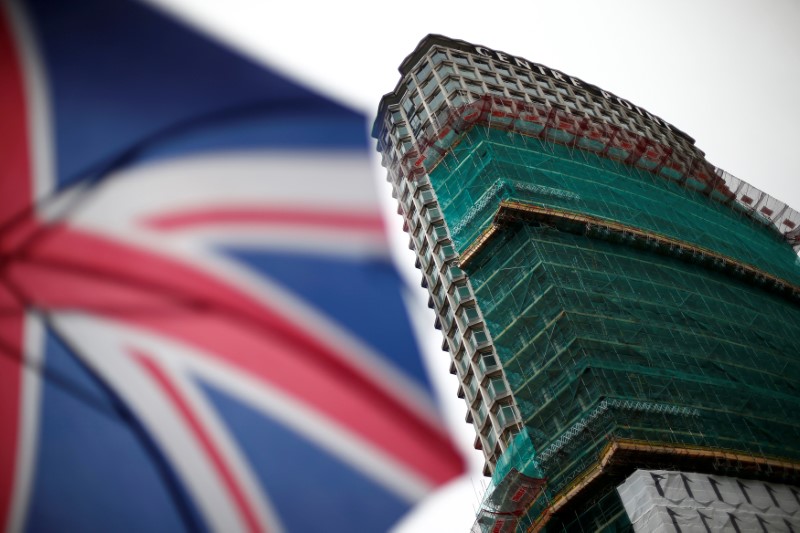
623, 317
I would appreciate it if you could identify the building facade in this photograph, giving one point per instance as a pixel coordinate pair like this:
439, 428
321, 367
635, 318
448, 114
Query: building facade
613, 304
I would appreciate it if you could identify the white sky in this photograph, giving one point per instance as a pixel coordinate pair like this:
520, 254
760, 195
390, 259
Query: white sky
724, 71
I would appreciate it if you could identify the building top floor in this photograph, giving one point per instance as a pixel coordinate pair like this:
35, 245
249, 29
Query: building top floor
445, 79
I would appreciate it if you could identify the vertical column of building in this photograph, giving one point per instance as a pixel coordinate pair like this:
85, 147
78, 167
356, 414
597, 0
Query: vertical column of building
430, 93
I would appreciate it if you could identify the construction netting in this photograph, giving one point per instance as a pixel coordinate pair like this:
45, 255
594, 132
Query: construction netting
614, 145
601, 340
516, 483
672, 342
488, 166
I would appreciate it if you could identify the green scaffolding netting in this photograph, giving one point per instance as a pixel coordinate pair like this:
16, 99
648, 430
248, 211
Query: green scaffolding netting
487, 166
602, 340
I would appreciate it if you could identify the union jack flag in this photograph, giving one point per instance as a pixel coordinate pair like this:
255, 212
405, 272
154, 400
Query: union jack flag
200, 326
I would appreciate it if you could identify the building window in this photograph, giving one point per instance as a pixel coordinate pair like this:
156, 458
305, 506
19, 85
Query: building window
460, 59
503, 71
438, 55
423, 71
468, 73
429, 87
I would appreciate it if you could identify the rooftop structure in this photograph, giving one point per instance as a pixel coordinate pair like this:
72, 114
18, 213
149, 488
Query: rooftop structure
612, 302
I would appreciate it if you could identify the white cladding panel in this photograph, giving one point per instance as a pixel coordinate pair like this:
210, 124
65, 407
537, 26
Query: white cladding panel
661, 501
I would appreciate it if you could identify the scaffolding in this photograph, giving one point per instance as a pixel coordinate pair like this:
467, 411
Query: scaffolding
632, 296
614, 145
516, 483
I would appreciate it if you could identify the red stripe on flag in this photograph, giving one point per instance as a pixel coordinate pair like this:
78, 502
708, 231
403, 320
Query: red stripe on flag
15, 167
290, 217
205, 440
56, 288
134, 286
11, 370
325, 384
15, 198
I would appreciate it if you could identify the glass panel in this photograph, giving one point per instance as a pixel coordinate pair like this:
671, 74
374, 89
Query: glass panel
454, 273
429, 87
446, 252
471, 313
470, 389
439, 296
436, 102
462, 364
487, 363
432, 215
468, 73
480, 414
491, 441
438, 56
496, 388
452, 85
423, 71
463, 292
427, 197
461, 60
407, 106
506, 416
478, 339
439, 232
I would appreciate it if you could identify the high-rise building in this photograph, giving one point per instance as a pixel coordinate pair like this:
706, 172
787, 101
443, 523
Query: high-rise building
623, 317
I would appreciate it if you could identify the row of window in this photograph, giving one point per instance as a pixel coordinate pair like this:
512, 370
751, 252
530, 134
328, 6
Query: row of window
481, 376
445, 79
538, 88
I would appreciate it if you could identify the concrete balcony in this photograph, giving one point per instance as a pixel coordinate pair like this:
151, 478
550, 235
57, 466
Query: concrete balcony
468, 316
478, 340
481, 414
426, 197
487, 364
445, 253
461, 295
496, 389
506, 416
471, 390
453, 274
462, 365
431, 216
438, 233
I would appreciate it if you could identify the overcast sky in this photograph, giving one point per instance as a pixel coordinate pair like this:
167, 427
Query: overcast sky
726, 72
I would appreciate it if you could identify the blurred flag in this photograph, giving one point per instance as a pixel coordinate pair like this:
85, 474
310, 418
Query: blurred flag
200, 327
